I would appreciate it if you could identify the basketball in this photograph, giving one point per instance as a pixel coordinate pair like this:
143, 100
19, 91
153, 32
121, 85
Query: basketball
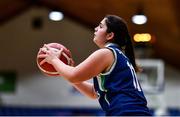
47, 68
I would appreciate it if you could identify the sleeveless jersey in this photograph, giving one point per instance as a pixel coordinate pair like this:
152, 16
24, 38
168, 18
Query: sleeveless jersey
118, 90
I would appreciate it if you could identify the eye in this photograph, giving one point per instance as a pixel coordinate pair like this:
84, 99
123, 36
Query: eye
100, 25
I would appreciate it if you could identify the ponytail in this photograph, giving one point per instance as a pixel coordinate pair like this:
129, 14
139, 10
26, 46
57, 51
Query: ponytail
121, 36
129, 52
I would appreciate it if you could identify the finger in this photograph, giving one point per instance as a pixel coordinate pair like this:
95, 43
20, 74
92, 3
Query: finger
42, 56
61, 49
43, 61
47, 47
55, 45
43, 49
55, 49
44, 45
60, 52
71, 62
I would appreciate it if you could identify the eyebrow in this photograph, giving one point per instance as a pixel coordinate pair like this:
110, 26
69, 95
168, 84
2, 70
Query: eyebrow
101, 24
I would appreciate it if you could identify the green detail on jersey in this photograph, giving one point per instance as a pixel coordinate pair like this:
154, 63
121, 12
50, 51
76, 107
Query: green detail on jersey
101, 81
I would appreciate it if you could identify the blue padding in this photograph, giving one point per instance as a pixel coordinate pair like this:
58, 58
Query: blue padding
34, 111
61, 111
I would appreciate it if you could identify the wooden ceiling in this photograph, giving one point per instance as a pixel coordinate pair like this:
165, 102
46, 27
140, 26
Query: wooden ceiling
163, 18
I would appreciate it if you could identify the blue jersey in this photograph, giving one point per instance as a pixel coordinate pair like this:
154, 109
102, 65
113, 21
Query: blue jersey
118, 89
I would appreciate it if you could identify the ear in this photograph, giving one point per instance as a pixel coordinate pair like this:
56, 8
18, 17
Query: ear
110, 36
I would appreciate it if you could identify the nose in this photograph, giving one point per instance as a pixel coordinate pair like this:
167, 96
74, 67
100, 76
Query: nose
95, 29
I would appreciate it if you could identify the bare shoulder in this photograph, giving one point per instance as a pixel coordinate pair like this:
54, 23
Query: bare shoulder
97, 62
103, 52
103, 55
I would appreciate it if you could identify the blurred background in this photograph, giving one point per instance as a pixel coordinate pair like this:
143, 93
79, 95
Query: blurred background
25, 25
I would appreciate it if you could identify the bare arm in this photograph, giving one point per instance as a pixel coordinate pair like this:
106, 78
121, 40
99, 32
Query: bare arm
97, 62
86, 88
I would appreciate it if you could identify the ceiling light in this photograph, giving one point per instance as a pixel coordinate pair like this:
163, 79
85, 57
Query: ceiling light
139, 19
56, 16
143, 37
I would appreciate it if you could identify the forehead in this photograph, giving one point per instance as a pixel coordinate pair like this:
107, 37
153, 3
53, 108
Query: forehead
103, 21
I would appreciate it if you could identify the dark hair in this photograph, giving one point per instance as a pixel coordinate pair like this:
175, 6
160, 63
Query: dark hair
119, 27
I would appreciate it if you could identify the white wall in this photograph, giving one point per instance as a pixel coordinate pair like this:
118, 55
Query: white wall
19, 44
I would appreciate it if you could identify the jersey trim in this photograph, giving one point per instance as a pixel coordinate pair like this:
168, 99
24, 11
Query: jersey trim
105, 97
114, 63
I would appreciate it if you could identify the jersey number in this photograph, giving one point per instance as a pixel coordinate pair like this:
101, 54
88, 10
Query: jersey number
135, 80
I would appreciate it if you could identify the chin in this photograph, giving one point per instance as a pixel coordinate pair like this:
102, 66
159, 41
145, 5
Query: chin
94, 40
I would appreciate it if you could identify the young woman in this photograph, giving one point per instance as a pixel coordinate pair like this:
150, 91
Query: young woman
112, 68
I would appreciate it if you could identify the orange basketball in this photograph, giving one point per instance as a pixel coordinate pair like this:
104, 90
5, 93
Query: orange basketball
47, 68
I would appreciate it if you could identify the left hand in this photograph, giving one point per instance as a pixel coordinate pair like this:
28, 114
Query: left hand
50, 54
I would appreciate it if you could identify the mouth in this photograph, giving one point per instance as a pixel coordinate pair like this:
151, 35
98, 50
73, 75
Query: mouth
94, 34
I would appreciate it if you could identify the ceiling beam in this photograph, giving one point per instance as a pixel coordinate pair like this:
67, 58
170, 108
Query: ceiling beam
11, 8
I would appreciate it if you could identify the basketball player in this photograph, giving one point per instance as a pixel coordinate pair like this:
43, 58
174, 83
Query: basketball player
112, 68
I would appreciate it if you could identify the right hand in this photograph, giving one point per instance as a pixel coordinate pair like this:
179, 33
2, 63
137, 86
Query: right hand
49, 55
